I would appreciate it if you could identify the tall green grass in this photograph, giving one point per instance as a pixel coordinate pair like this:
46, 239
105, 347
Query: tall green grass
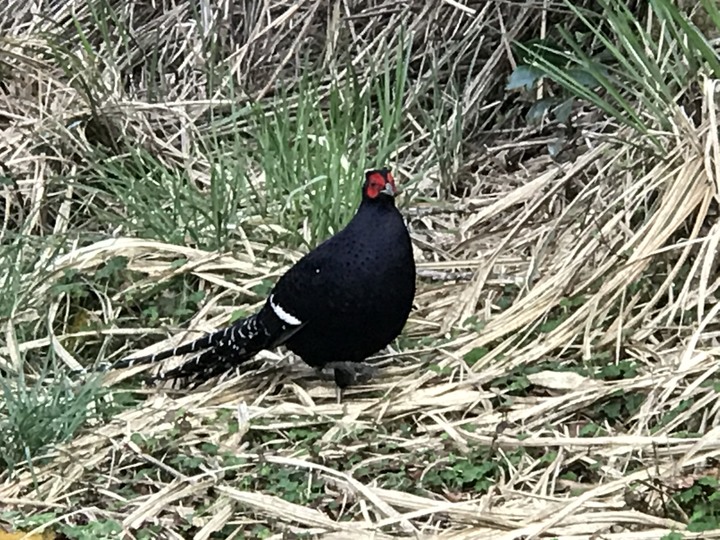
45, 411
634, 64
39, 406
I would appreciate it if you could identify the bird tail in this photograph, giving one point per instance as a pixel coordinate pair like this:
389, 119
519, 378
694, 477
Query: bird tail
232, 336
217, 352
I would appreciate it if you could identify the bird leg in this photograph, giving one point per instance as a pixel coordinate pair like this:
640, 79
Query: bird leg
346, 374
349, 373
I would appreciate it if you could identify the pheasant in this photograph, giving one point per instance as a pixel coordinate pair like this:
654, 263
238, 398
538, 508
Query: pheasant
343, 301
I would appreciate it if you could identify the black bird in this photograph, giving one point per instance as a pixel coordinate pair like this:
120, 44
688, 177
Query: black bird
345, 300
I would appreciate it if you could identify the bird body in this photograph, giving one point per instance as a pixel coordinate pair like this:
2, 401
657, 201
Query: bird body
343, 301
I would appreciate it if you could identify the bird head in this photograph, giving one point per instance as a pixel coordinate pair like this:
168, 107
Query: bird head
379, 185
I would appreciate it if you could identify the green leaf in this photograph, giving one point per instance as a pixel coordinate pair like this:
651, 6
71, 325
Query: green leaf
474, 355
523, 77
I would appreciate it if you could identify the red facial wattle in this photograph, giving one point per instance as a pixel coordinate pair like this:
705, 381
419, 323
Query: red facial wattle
377, 183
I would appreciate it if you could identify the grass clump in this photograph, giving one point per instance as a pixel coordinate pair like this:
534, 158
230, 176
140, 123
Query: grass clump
35, 416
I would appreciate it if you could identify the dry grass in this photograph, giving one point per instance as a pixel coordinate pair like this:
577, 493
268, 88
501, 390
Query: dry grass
603, 257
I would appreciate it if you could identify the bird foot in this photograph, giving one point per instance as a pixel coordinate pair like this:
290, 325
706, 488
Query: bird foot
347, 374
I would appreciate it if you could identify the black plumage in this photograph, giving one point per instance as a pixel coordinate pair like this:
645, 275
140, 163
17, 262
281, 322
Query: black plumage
345, 300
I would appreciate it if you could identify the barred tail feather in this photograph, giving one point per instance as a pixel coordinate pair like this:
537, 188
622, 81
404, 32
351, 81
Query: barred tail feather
199, 344
233, 347
233, 337
222, 350
203, 367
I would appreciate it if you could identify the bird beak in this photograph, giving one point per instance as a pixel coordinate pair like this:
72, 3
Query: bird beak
389, 189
